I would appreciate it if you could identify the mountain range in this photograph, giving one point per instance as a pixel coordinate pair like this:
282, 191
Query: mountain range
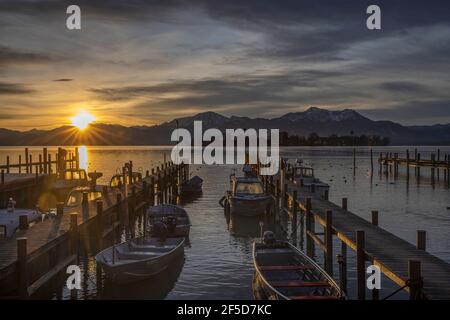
313, 120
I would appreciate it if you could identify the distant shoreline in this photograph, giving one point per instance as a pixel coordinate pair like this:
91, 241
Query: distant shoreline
169, 147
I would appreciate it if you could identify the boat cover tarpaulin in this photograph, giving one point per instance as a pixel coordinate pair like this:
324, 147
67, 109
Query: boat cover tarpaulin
195, 181
10, 220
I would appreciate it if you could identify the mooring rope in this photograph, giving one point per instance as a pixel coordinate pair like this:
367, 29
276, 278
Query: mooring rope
396, 291
419, 294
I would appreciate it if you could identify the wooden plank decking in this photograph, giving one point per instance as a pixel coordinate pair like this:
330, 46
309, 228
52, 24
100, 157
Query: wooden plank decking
384, 249
42, 233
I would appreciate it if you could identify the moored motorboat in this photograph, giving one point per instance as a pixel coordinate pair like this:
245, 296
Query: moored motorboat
283, 272
247, 197
303, 175
175, 219
75, 196
68, 179
118, 180
139, 258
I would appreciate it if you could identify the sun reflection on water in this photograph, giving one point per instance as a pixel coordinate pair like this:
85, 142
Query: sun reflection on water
83, 153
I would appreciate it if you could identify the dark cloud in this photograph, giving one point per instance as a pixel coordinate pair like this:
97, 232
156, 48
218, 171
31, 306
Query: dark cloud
110, 9
319, 30
406, 87
428, 111
12, 56
8, 116
13, 89
224, 90
268, 95
390, 71
63, 80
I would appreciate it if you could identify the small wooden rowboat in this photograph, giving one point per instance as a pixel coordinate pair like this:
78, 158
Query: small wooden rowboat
139, 258
176, 219
282, 272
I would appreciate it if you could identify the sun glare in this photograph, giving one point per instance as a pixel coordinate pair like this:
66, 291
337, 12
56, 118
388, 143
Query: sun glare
82, 120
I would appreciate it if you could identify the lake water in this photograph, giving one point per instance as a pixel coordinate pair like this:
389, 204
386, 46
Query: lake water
218, 262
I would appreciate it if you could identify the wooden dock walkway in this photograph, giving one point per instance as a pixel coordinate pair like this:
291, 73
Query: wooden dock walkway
412, 267
34, 256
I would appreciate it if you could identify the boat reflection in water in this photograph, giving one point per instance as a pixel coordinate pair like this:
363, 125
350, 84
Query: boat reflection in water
189, 198
251, 227
154, 288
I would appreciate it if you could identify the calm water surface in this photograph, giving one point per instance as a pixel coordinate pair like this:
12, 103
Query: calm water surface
218, 262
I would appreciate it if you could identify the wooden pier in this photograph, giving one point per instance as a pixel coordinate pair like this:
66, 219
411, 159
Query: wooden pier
34, 257
389, 163
26, 179
415, 270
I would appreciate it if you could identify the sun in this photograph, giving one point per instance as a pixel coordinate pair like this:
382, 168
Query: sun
82, 119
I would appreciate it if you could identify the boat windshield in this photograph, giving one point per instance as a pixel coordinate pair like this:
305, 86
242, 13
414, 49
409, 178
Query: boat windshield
117, 180
305, 172
249, 187
75, 175
75, 198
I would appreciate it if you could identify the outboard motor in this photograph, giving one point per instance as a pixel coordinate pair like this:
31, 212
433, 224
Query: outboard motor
269, 238
160, 230
11, 205
171, 223
248, 172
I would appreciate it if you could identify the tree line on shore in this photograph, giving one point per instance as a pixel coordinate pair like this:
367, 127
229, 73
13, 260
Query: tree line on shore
314, 139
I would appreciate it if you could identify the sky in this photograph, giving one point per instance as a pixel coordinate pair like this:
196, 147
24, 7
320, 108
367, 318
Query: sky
146, 62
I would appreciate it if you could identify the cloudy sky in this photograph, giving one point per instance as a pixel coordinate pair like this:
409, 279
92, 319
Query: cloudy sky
145, 62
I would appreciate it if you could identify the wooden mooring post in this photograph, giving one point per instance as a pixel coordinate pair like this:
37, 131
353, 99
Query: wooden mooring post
354, 161
45, 158
371, 162
344, 203
329, 242
23, 222
27, 168
407, 164
22, 262
360, 265
100, 223
74, 245
294, 217
343, 266
415, 280
60, 209
421, 240
375, 217
310, 229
